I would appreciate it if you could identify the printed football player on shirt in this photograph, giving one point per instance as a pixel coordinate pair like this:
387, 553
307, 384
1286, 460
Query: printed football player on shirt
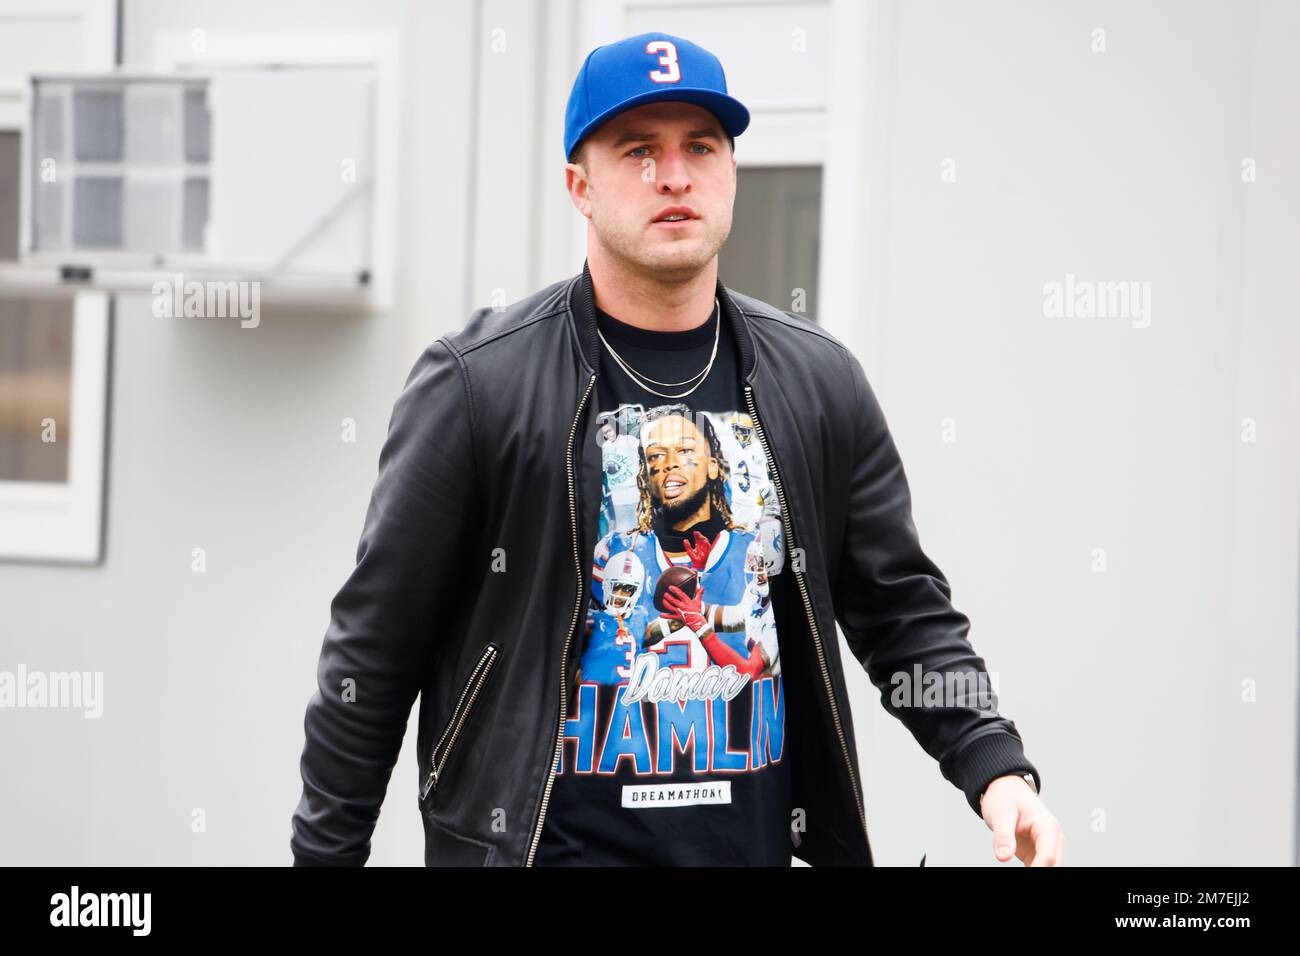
618, 630
749, 485
706, 626
621, 454
683, 518
680, 623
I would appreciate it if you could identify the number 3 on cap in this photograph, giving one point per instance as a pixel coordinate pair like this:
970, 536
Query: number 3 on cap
669, 60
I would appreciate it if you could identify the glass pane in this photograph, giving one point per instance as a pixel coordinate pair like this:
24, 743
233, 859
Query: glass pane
772, 251
149, 216
97, 211
97, 125
51, 106
10, 167
198, 125
153, 127
194, 218
35, 388
47, 230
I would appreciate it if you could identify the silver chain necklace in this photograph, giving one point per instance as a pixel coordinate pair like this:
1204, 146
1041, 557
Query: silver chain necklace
642, 379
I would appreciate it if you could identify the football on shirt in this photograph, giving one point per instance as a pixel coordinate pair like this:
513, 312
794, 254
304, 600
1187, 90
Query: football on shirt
685, 578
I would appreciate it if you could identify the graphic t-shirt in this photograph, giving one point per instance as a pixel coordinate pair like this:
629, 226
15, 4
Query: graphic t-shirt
675, 749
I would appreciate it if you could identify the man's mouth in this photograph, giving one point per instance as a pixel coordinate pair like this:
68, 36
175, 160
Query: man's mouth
674, 487
675, 217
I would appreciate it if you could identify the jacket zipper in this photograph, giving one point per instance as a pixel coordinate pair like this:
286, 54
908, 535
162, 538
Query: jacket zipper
812, 624
577, 611
459, 715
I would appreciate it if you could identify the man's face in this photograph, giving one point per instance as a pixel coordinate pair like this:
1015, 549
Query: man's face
621, 599
645, 160
679, 465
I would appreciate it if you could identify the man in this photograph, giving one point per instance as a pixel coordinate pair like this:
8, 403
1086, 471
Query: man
562, 554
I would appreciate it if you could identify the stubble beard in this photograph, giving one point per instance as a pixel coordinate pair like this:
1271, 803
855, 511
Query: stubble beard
673, 261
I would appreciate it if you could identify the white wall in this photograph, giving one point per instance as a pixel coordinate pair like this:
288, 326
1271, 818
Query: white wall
1075, 434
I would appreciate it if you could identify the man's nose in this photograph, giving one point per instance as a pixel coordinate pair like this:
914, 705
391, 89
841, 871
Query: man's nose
673, 174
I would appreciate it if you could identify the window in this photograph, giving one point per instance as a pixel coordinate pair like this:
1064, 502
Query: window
53, 370
773, 247
120, 165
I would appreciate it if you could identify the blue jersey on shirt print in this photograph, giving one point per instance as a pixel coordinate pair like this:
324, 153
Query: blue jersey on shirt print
670, 710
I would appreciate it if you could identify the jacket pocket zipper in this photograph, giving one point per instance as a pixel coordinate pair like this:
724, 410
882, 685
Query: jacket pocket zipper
451, 733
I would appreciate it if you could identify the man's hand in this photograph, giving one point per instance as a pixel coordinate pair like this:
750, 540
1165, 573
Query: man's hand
698, 549
688, 610
1020, 821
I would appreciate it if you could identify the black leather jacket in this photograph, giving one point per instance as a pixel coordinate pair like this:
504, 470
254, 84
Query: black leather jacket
474, 565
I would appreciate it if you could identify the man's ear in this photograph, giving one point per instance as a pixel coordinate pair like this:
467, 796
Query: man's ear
575, 181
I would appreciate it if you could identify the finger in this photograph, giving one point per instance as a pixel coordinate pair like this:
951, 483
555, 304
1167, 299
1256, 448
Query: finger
1037, 848
1046, 834
1001, 819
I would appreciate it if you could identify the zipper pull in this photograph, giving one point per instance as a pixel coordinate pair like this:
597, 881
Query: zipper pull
430, 782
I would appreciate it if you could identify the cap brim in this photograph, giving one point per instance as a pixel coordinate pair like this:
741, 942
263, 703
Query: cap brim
731, 113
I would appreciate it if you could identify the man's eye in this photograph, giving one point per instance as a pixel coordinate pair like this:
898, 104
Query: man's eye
707, 149
634, 149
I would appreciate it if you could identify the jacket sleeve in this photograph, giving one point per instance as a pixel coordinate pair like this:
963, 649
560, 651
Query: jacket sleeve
384, 619
894, 607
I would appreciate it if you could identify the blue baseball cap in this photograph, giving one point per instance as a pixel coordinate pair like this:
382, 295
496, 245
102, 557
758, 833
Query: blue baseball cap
647, 68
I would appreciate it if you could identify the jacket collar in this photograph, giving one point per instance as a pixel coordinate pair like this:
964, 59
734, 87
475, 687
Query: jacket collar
582, 309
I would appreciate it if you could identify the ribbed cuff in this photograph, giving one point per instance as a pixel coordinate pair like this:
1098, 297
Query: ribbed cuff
985, 759
301, 858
